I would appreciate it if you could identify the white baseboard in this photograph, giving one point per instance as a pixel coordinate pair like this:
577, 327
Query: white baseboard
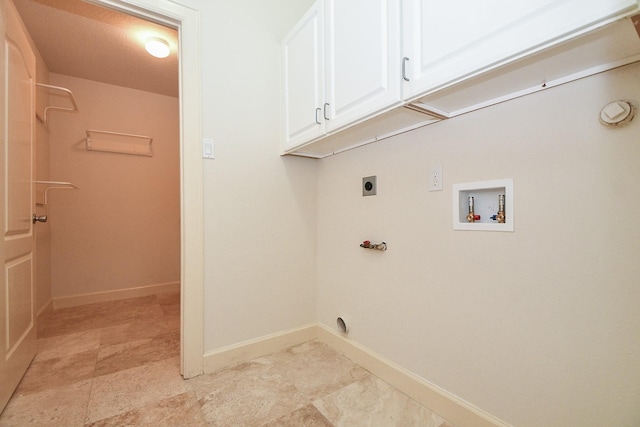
248, 350
443, 403
91, 298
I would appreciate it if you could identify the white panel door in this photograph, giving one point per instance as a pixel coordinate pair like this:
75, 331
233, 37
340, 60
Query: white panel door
303, 82
17, 112
363, 59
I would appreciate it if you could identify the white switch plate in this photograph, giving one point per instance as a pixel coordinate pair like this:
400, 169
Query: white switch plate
207, 148
435, 178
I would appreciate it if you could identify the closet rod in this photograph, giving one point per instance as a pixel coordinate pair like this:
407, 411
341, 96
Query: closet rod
53, 107
90, 131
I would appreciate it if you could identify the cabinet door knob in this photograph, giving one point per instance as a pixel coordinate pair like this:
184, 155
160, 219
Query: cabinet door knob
317, 111
404, 69
326, 104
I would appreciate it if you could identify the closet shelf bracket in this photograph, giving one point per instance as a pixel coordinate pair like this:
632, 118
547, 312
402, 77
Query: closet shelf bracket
60, 91
50, 185
116, 142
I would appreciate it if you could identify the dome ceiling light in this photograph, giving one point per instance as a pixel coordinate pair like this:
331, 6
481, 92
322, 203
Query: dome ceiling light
157, 47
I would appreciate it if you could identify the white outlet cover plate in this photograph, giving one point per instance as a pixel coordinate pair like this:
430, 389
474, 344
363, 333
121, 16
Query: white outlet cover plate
435, 178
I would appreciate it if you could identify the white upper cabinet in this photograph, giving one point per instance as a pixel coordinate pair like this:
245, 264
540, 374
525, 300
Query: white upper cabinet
449, 41
341, 64
358, 71
303, 81
363, 52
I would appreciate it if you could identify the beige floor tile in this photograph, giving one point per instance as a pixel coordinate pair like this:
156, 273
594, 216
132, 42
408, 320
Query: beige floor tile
91, 316
204, 385
66, 345
316, 369
136, 353
371, 402
173, 323
171, 310
136, 329
307, 416
180, 410
168, 298
57, 325
246, 395
169, 302
134, 388
56, 372
148, 311
64, 406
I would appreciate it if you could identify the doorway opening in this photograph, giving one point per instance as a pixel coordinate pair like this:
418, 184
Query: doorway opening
186, 21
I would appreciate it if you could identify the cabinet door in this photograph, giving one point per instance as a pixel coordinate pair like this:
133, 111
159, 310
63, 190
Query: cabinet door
303, 66
363, 48
457, 39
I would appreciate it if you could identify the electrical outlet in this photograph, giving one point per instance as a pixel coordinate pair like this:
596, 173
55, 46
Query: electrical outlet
435, 178
369, 186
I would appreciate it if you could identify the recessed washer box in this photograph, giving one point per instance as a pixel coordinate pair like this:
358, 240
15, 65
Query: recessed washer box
486, 196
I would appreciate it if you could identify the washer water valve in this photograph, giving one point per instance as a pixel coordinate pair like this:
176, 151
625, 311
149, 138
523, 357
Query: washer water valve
472, 217
500, 216
377, 246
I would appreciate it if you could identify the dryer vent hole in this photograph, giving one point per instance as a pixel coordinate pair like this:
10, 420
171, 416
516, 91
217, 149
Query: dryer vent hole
342, 325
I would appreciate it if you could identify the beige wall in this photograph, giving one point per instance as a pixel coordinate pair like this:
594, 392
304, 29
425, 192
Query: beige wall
538, 327
260, 208
121, 228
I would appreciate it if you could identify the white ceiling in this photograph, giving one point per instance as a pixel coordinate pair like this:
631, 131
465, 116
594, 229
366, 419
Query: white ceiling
84, 40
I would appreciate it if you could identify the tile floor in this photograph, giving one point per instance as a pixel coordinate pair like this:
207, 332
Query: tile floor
117, 364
